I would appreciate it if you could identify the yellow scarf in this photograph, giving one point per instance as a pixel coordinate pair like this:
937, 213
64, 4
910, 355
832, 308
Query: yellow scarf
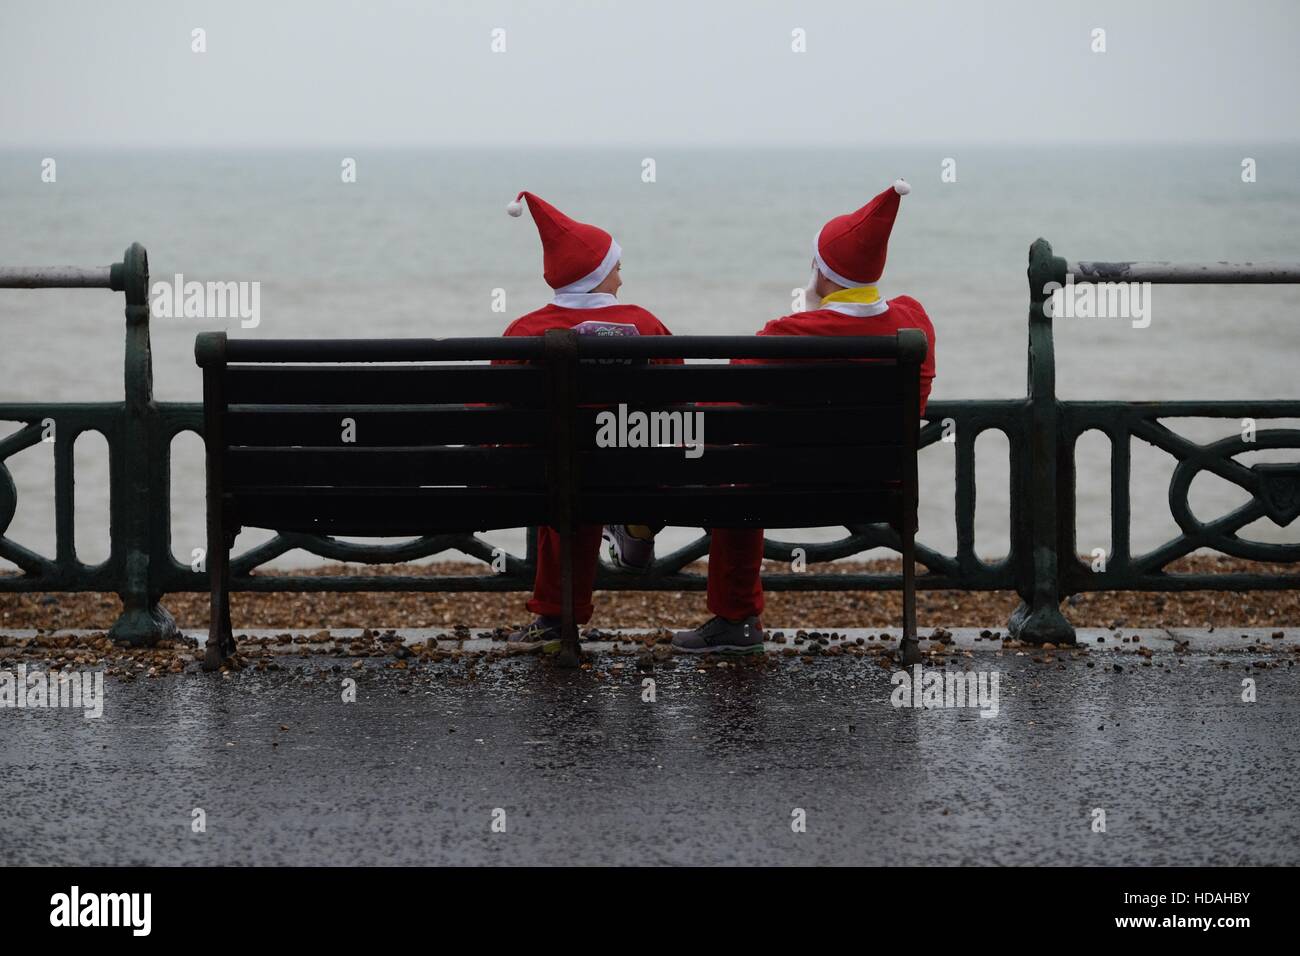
865, 294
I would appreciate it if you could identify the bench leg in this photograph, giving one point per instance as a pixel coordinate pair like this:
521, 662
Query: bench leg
909, 649
570, 654
221, 640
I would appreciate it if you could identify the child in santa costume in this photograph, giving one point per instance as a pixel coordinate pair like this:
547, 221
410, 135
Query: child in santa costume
848, 260
581, 263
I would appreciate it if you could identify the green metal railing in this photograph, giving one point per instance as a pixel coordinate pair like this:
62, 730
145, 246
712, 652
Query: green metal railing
1051, 568
1041, 565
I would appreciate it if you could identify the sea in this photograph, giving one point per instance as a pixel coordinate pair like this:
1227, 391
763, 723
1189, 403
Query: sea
715, 242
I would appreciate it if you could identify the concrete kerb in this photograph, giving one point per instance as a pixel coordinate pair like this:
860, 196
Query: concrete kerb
1190, 640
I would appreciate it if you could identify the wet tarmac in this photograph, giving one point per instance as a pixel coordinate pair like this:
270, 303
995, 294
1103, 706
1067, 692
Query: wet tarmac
516, 762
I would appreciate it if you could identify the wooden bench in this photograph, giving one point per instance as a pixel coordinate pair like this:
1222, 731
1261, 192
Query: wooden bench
440, 444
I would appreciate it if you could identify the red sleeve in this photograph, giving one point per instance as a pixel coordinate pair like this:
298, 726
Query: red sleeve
922, 321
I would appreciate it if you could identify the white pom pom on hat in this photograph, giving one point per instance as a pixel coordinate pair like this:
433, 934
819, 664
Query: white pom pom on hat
900, 187
515, 208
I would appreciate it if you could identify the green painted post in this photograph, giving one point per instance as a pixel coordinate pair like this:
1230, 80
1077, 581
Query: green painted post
1038, 619
143, 620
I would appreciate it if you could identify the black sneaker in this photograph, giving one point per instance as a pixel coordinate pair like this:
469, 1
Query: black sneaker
542, 629
719, 635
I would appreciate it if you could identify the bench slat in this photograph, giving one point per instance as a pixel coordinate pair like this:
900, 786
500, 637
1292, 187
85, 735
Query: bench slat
742, 507
351, 385
384, 467
863, 383
650, 469
767, 425
397, 426
397, 512
384, 426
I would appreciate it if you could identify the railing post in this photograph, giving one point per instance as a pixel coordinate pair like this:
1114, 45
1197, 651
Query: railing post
143, 620
1038, 619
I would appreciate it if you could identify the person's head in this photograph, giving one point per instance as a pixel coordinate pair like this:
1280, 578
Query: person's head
611, 282
823, 286
818, 288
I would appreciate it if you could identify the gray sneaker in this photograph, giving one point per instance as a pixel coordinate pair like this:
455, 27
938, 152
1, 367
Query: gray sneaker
631, 547
719, 635
542, 629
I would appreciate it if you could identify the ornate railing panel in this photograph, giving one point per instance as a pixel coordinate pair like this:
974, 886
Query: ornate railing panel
1274, 490
63, 571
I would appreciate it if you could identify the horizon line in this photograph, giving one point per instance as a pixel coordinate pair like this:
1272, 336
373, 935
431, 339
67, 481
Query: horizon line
1036, 144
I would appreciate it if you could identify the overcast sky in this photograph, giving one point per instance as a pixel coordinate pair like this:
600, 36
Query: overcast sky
583, 72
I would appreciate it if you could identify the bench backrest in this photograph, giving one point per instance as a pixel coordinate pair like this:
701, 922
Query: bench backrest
399, 437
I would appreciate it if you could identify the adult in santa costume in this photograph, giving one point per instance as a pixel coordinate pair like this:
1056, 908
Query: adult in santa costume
581, 263
848, 261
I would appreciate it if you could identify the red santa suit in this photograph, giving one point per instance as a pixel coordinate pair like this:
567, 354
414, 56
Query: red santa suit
850, 251
598, 309
576, 258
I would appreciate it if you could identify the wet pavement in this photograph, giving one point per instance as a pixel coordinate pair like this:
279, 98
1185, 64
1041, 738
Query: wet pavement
578, 767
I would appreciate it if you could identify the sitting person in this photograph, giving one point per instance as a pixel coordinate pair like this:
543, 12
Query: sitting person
848, 260
582, 264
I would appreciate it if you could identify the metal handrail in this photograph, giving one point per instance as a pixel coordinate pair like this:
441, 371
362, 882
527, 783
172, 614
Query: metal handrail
1186, 273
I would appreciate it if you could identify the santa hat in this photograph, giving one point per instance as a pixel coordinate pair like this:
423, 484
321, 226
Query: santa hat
576, 257
850, 249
